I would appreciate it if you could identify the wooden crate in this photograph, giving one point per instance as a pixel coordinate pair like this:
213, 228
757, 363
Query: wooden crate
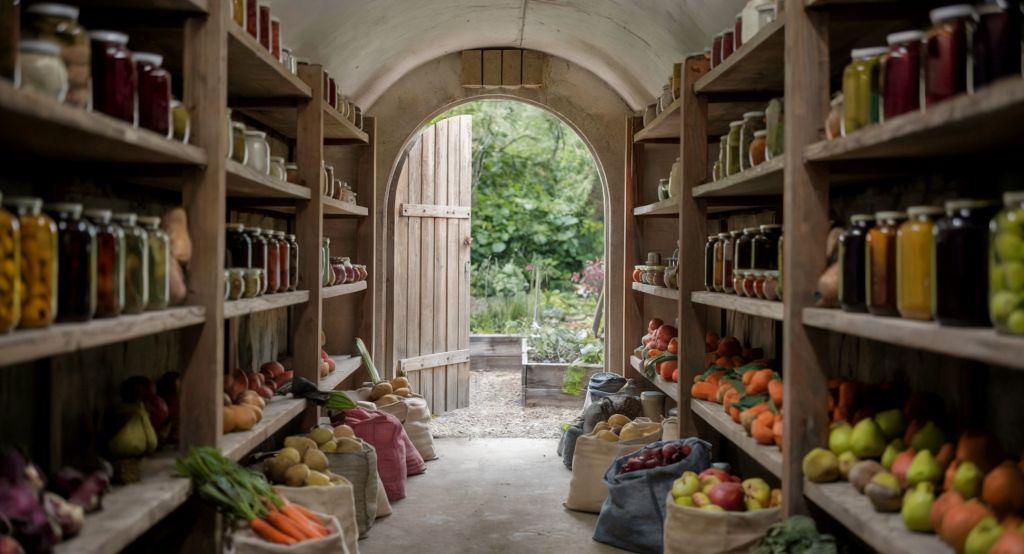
496, 352
542, 385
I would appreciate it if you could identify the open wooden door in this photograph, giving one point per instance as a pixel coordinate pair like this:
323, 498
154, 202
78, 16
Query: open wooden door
430, 296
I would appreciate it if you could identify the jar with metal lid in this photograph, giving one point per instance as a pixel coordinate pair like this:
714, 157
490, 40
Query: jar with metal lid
716, 50
109, 263
771, 285
154, 93
995, 53
338, 271
861, 89
961, 254
901, 74
235, 279
853, 296
277, 169
257, 152
114, 79
136, 263
293, 263
253, 279
238, 12
650, 114
743, 252
709, 263
325, 263
38, 271
719, 272
273, 261
42, 70
181, 121
757, 149
749, 283
76, 263
159, 263
329, 180
259, 254
658, 275
737, 36
880, 262
728, 256
945, 53
10, 271
765, 251
264, 23
275, 37
636, 273
752, 122
728, 42
662, 189
737, 283
1006, 294
732, 154
914, 263
291, 173
237, 246
58, 23
652, 404
238, 151
759, 277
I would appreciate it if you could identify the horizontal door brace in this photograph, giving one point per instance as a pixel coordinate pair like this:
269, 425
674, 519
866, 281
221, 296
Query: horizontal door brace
434, 360
427, 210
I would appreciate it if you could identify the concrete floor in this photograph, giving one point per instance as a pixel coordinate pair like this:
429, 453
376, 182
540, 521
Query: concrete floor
487, 495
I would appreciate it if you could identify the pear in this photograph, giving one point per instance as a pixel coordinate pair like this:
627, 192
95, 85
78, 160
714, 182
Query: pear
884, 492
917, 506
892, 423
329, 446
967, 480
846, 462
862, 472
894, 448
983, 536
713, 508
757, 489
131, 440
867, 439
839, 438
821, 466
923, 469
930, 437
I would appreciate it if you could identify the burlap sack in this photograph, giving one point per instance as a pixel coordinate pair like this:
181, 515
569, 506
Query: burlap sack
337, 501
247, 542
591, 460
383, 506
414, 414
694, 531
360, 469
670, 429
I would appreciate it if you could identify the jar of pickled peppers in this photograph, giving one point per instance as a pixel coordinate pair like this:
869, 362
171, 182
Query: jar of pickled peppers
38, 262
10, 267
136, 263
159, 263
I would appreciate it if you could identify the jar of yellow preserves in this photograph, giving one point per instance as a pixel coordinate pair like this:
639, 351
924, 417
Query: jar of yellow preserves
881, 263
914, 262
38, 262
10, 269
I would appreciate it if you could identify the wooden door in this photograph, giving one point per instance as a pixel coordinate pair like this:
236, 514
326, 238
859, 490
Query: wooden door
430, 296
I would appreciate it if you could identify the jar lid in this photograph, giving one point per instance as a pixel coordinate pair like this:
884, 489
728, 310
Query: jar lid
751, 229
694, 54
652, 393
719, 35
52, 8
253, 230
263, 4
723, 235
707, 50
950, 12
254, 271
238, 125
70, 207
915, 211
771, 226
290, 237
38, 46
291, 166
861, 53
234, 226
753, 114
277, 159
735, 233
274, 18
30, 202
286, 49
236, 270
109, 36
148, 220
862, 217
969, 203
891, 215
712, 238
728, 31
735, 124
276, 233
148, 57
757, 273
904, 37
258, 134
739, 16
662, 180
96, 213
723, 138
1013, 198
331, 167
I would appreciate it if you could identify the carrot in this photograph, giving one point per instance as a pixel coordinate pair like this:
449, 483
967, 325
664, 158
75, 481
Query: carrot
715, 377
730, 397
269, 533
304, 511
775, 389
704, 391
747, 376
311, 529
735, 414
667, 367
723, 388
759, 382
284, 524
848, 394
762, 433
777, 431
766, 417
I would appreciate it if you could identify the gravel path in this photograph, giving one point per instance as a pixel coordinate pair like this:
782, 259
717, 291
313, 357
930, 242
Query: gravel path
494, 412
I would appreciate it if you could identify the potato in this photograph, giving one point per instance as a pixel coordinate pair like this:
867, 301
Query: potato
289, 454
252, 398
280, 468
399, 383
617, 429
404, 392
268, 467
255, 409
344, 431
301, 444
245, 418
601, 426
618, 419
317, 479
608, 436
346, 444
380, 389
296, 475
321, 435
386, 400
315, 460
329, 446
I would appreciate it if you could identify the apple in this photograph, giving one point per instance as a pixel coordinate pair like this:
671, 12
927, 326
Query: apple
723, 476
686, 485
727, 495
274, 368
757, 489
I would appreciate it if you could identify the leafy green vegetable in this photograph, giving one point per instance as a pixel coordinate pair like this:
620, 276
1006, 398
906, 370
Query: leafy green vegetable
796, 535
573, 379
368, 362
225, 485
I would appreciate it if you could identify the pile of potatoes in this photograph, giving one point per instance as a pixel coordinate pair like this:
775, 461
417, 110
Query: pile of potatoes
621, 428
385, 393
302, 463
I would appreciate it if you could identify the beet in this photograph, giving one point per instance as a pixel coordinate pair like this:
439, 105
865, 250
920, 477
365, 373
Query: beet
66, 481
90, 494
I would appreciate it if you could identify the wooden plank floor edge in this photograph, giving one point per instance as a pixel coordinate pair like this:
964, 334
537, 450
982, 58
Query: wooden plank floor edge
742, 304
670, 389
342, 290
243, 306
663, 292
765, 178
279, 411
768, 456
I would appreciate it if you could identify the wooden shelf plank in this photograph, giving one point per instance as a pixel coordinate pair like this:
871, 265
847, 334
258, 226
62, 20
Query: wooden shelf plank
665, 126
657, 291
669, 388
128, 511
337, 129
757, 66
38, 126
984, 122
667, 207
280, 410
254, 73
981, 344
343, 367
342, 290
742, 304
768, 456
64, 338
885, 532
245, 306
190, 6
333, 206
763, 179
244, 182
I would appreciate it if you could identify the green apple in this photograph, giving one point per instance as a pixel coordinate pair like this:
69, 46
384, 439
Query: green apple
1002, 303
846, 462
1016, 322
684, 501
686, 485
752, 504
1013, 276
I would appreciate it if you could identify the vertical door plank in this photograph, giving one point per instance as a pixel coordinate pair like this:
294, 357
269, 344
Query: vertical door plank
401, 260
366, 249
412, 324
427, 264
454, 161
440, 259
465, 230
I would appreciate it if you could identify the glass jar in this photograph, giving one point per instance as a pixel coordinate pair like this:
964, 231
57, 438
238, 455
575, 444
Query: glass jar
238, 12
743, 252
361, 273
181, 121
159, 263
338, 269
728, 43
749, 280
136, 263
759, 277
329, 180
666, 96
737, 283
325, 263
257, 152
332, 93
723, 149
114, 80
252, 18
253, 282
273, 261
237, 247
10, 266
662, 189
235, 278
716, 50
42, 70
901, 74
752, 122
675, 180
945, 53
778, 288
76, 263
880, 259
650, 114
238, 150
671, 277
914, 263
1006, 297
757, 148
834, 120
259, 254
109, 263
719, 276
993, 54
737, 36
58, 23
765, 251
275, 37
293, 263
338, 192
636, 273
771, 285
277, 169
291, 173
853, 264
154, 93
776, 129
350, 270
289, 60
861, 89
961, 242
658, 276
228, 138
282, 261
709, 263
728, 255
732, 154
264, 38
38, 262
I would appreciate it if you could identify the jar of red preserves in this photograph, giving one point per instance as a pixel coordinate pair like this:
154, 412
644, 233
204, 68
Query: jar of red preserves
154, 93
110, 252
945, 54
252, 18
350, 271
264, 37
997, 37
716, 50
76, 263
273, 261
901, 74
728, 43
114, 81
283, 264
275, 37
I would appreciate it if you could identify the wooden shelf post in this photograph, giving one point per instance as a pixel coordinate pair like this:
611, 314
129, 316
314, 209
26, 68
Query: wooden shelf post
366, 250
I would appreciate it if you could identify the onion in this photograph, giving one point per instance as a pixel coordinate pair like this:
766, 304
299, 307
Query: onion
17, 500
67, 515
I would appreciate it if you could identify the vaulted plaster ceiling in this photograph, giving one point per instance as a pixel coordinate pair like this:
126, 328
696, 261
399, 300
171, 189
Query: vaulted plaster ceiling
367, 45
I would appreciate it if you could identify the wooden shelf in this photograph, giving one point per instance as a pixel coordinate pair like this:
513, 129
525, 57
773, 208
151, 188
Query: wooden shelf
64, 338
254, 73
342, 290
668, 207
768, 456
333, 206
884, 532
763, 179
663, 292
985, 122
669, 388
37, 126
742, 304
188, 6
981, 344
337, 129
280, 410
244, 182
344, 366
246, 306
664, 128
759, 65
128, 511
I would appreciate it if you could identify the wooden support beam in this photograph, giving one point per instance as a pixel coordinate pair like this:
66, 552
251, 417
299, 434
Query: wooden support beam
511, 68
371, 328
492, 68
434, 360
472, 69
423, 210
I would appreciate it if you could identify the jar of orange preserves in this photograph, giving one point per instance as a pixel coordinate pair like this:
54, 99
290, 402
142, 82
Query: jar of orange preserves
10, 266
38, 262
881, 263
914, 263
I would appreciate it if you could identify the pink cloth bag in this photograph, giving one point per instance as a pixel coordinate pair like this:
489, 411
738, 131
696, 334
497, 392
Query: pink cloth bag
396, 455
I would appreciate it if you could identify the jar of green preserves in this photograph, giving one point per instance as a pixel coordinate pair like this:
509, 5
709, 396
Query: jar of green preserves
10, 271
774, 145
159, 263
136, 263
1006, 291
38, 262
862, 89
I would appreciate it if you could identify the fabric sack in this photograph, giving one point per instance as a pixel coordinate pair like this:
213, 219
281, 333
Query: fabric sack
383, 506
337, 500
597, 412
591, 460
695, 531
247, 542
670, 428
385, 433
633, 516
414, 414
360, 469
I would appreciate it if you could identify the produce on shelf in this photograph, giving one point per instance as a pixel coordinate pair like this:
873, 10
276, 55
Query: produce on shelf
718, 490
659, 351
327, 365
619, 427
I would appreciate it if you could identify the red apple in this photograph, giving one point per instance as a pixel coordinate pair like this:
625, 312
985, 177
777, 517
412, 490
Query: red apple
274, 368
654, 325
722, 475
728, 496
265, 392
157, 409
324, 356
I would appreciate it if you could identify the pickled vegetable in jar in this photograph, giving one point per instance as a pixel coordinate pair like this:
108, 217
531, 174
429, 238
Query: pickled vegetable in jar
154, 93
718, 279
853, 265
901, 74
350, 271
732, 153
757, 148
237, 247
136, 263
238, 151
10, 271
283, 257
771, 285
774, 145
765, 250
325, 263
259, 254
914, 263
748, 284
253, 282
38, 262
1006, 294
76, 263
273, 261
709, 263
961, 258
293, 263
42, 70
759, 283
752, 123
728, 253
114, 79
861, 89
338, 270
238, 12
235, 278
743, 252
881, 263
110, 253
277, 169
945, 53
363, 274
737, 283
58, 23
159, 263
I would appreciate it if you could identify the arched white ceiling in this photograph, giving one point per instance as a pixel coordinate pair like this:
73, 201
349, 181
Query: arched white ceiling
367, 45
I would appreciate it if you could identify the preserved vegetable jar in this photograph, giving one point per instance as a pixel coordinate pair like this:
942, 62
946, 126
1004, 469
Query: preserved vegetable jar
291, 172
10, 271
253, 282
283, 263
325, 263
38, 262
235, 278
58, 23
996, 36
277, 169
774, 123
363, 274
238, 246
257, 151
42, 70
744, 249
752, 123
771, 285
716, 50
757, 148
275, 37
675, 180
293, 263
351, 273
238, 12
114, 80
723, 148
852, 264
338, 271
273, 261
76, 263
136, 263
238, 150
732, 154
719, 278
881, 263
759, 277
252, 18
109, 263
728, 255
765, 252
1006, 297
901, 74
749, 283
945, 53
961, 242
258, 256
861, 89
728, 43
159, 263
709, 263
914, 263
154, 93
